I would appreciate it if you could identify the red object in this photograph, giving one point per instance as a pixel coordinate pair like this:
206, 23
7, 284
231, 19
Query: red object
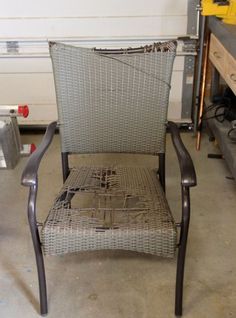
23, 110
32, 148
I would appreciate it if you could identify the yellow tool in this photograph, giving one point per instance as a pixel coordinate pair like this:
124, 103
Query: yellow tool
221, 8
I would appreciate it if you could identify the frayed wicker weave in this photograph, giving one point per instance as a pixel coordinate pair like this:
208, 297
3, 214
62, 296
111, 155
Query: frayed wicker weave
110, 208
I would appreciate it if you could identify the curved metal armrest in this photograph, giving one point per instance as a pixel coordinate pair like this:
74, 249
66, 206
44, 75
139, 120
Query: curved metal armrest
29, 175
188, 175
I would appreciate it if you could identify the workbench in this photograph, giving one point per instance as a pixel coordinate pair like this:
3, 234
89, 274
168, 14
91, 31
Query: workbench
222, 55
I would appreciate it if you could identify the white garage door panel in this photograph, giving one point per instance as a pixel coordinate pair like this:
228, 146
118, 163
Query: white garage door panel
26, 25
27, 88
55, 8
25, 65
92, 27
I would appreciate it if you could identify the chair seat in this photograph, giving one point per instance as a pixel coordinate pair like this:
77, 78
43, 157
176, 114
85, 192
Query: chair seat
110, 208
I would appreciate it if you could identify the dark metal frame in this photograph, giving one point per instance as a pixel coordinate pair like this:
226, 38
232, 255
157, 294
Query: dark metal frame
65, 165
37, 249
30, 178
162, 170
188, 179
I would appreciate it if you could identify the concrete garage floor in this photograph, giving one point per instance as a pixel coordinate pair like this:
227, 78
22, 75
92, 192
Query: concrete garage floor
123, 284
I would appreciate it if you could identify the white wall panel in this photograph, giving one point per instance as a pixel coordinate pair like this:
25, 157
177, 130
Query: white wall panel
91, 8
25, 65
33, 88
103, 18
26, 73
93, 27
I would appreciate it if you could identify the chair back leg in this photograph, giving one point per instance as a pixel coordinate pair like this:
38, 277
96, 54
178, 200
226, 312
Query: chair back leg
162, 170
65, 165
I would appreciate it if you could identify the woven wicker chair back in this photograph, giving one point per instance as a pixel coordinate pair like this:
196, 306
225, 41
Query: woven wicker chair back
112, 101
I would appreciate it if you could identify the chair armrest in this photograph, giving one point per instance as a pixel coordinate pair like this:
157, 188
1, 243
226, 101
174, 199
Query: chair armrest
29, 175
188, 175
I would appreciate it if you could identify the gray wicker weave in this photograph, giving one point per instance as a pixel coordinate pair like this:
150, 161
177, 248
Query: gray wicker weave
110, 208
109, 102
112, 102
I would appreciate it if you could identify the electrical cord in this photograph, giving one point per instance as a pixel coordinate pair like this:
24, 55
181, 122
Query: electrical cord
207, 110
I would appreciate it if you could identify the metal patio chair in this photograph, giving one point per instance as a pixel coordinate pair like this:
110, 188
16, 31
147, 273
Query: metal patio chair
111, 101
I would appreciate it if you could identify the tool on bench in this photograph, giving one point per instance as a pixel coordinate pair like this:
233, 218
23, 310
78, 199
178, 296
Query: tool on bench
224, 9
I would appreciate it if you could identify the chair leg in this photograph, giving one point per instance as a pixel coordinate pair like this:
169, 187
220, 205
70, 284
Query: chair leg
180, 280
41, 273
162, 175
38, 250
182, 251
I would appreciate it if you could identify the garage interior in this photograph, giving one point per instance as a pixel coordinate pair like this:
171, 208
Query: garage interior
116, 283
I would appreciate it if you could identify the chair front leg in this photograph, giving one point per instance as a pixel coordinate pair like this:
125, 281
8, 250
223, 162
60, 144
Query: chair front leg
37, 250
182, 251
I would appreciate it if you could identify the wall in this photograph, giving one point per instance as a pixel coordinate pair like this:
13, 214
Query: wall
26, 26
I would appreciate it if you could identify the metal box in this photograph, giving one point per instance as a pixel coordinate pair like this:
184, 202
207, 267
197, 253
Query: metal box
10, 146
